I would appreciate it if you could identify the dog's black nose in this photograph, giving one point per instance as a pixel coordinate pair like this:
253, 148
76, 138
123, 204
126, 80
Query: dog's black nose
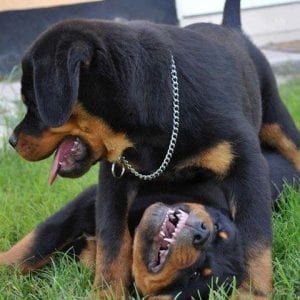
201, 234
13, 140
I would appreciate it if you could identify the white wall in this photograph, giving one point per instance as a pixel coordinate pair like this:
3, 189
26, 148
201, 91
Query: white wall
266, 21
187, 8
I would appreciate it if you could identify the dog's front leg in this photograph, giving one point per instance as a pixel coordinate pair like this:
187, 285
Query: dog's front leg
114, 244
250, 185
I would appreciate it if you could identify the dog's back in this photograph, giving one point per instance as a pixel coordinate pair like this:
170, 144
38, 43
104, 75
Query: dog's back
277, 127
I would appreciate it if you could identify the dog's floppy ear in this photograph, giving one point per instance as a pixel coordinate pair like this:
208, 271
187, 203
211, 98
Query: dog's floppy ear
56, 82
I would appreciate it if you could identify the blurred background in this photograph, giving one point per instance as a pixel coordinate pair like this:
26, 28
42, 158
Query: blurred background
274, 25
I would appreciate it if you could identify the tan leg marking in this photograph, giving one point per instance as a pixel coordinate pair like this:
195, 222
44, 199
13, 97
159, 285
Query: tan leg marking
217, 159
272, 135
18, 254
118, 274
88, 254
259, 283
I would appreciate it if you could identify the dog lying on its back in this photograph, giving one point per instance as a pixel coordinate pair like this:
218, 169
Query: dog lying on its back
180, 248
184, 249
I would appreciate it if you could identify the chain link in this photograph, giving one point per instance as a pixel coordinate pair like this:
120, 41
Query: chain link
175, 93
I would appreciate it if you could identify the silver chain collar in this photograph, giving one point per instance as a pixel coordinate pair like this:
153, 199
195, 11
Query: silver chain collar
125, 163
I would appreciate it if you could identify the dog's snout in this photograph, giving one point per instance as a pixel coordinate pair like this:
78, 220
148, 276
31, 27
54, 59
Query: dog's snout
13, 140
201, 234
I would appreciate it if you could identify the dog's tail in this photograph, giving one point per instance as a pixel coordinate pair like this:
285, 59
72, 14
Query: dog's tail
232, 14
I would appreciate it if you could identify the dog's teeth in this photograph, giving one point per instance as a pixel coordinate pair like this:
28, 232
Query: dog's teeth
169, 240
162, 233
172, 217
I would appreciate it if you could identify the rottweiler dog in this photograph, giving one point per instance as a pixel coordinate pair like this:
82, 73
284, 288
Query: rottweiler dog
104, 91
179, 248
182, 248
219, 262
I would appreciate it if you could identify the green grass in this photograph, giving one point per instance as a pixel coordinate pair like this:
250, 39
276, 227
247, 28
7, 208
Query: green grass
290, 93
286, 246
26, 199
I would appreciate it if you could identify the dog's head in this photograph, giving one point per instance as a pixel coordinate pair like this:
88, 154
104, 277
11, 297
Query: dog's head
72, 99
183, 249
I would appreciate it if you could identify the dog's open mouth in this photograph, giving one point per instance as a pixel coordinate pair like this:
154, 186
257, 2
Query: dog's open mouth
68, 156
172, 225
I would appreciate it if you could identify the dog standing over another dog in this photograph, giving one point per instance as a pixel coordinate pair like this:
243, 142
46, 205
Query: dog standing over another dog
99, 90
180, 249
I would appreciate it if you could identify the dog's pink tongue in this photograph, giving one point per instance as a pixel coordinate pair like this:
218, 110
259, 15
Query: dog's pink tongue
63, 150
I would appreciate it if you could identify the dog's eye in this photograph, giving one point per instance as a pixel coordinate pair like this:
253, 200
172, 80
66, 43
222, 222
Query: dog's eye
195, 275
217, 227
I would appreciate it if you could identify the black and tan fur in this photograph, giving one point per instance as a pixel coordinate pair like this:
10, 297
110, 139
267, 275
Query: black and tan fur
214, 264
109, 85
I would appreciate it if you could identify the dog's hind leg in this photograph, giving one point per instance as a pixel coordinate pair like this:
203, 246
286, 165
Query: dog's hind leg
278, 136
66, 228
278, 130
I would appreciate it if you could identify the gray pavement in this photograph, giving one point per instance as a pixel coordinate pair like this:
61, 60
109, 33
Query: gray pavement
278, 57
